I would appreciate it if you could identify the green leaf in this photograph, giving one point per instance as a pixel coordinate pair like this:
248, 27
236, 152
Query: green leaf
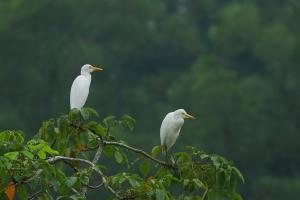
128, 121
77, 197
159, 194
133, 182
186, 182
109, 121
118, 157
156, 150
183, 158
144, 168
12, 155
108, 151
236, 196
74, 115
86, 113
216, 161
239, 174
50, 150
96, 128
89, 112
71, 181
41, 154
163, 172
84, 138
198, 183
28, 154
5, 180
22, 193
220, 179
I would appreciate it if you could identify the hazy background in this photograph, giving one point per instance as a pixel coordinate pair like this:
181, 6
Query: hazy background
232, 64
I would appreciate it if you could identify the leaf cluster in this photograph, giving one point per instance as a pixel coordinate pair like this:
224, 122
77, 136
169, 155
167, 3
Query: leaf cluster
56, 164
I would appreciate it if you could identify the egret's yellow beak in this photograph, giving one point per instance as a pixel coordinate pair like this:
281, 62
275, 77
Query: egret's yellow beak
96, 69
187, 116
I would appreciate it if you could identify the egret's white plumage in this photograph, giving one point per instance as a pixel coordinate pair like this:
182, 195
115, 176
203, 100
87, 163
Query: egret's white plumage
81, 85
171, 126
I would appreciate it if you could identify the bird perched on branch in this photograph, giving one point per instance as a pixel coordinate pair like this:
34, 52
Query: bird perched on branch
171, 126
81, 85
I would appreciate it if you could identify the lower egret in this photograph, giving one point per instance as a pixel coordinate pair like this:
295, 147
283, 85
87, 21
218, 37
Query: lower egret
81, 85
171, 126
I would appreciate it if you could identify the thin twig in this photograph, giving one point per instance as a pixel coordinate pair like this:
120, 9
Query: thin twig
71, 166
204, 194
96, 186
34, 195
95, 161
60, 158
139, 152
29, 179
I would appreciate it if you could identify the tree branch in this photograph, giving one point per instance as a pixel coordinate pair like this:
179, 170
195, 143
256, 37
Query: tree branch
95, 160
96, 186
140, 152
61, 158
29, 179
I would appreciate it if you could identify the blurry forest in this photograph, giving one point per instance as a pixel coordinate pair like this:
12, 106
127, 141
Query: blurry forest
232, 64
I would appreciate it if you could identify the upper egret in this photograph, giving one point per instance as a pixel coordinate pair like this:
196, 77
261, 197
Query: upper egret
171, 126
81, 85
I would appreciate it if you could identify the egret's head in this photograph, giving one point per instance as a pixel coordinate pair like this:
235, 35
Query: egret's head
87, 68
183, 114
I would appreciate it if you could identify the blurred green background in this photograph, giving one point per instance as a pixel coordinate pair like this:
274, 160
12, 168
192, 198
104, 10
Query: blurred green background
233, 64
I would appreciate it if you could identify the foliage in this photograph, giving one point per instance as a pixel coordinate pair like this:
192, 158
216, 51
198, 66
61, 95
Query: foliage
74, 138
232, 64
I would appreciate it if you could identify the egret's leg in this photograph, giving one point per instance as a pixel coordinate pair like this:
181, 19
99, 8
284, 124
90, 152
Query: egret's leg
168, 156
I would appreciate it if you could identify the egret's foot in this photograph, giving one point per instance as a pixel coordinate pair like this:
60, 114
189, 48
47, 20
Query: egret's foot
169, 159
172, 160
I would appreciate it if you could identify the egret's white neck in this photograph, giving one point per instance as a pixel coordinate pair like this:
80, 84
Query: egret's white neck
86, 74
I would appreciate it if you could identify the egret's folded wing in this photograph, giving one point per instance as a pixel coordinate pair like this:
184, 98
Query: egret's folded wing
79, 92
165, 128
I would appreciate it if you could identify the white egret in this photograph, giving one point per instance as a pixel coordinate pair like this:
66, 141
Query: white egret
81, 85
171, 126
